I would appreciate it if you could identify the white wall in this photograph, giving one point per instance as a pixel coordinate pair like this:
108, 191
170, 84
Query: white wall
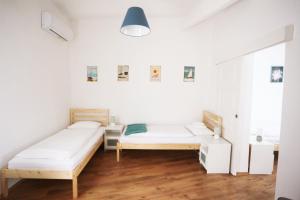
266, 96
288, 176
242, 24
100, 43
34, 77
247, 21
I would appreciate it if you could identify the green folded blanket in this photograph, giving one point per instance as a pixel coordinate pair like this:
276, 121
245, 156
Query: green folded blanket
135, 128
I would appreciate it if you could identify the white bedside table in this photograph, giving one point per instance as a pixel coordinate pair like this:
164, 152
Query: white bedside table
111, 137
214, 154
261, 157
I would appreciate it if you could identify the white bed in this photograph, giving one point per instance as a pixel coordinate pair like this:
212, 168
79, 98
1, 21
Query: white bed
63, 155
167, 134
170, 137
88, 137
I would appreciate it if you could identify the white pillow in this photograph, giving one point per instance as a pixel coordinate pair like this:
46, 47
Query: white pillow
198, 124
198, 130
85, 124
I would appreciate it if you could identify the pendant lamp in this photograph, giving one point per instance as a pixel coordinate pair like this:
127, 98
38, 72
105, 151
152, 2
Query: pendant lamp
135, 23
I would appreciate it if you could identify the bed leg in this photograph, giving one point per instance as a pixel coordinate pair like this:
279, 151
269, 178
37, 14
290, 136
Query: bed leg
4, 187
118, 152
75, 187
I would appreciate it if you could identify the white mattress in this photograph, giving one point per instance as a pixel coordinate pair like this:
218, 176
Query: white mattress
60, 146
164, 134
54, 164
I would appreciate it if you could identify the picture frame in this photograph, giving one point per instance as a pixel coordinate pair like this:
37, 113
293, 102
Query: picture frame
276, 75
123, 72
189, 74
92, 73
155, 73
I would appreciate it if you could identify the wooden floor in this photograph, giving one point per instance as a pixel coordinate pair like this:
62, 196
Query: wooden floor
145, 175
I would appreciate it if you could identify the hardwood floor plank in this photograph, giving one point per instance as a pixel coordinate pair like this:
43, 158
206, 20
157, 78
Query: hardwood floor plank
149, 175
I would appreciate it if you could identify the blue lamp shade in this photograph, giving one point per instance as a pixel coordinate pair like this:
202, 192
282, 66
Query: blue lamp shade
135, 23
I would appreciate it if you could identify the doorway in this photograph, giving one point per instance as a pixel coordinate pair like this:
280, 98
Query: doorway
250, 90
267, 92
266, 107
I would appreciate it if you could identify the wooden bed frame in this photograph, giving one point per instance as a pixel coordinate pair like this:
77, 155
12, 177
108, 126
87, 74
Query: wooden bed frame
209, 119
99, 115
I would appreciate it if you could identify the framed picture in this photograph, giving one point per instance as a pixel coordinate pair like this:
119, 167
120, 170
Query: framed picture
155, 73
276, 74
189, 74
123, 72
92, 74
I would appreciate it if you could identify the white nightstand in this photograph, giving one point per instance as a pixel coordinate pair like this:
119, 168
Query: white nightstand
214, 154
261, 157
111, 137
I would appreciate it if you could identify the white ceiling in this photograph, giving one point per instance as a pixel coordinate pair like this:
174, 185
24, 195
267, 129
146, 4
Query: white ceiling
78, 9
197, 10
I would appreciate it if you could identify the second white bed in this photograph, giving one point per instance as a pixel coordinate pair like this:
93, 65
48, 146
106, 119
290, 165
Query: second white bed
167, 134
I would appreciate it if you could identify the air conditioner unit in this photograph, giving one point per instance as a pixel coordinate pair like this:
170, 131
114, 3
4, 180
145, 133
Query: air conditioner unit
56, 26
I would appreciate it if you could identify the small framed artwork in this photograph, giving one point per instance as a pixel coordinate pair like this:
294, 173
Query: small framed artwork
123, 72
189, 74
92, 74
276, 74
155, 73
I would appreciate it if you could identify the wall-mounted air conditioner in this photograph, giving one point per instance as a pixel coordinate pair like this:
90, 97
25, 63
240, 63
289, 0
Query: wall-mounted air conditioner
56, 26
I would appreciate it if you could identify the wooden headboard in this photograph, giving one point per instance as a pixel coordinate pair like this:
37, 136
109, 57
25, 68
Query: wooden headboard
83, 114
211, 120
